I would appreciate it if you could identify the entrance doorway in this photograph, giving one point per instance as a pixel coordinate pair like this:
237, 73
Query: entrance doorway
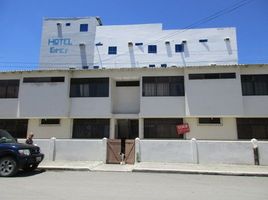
122, 149
127, 129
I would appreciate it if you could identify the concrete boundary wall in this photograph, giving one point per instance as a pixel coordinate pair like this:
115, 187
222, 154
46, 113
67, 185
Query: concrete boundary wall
72, 149
169, 151
165, 151
79, 150
227, 152
202, 152
263, 152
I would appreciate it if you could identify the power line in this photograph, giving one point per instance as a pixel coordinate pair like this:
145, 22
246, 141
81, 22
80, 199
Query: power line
215, 15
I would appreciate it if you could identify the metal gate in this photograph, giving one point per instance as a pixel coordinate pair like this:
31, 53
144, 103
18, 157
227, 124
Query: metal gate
114, 149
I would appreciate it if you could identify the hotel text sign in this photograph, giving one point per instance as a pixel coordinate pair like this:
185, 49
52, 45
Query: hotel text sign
58, 45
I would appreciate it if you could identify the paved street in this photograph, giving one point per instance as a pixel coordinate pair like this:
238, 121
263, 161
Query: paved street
65, 185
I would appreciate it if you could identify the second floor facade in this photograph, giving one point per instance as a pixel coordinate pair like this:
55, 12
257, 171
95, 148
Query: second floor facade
219, 91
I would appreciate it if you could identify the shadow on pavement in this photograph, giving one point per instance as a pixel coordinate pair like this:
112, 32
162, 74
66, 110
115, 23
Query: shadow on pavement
27, 174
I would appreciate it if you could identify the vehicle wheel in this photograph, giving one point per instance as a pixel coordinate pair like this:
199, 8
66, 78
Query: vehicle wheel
8, 166
30, 168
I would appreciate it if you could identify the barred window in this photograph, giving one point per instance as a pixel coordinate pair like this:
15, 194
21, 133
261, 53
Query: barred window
91, 128
212, 76
209, 120
254, 84
50, 121
16, 127
9, 88
162, 128
43, 79
163, 86
249, 128
89, 87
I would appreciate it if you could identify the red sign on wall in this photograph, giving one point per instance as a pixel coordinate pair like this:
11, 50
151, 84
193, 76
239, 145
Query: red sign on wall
183, 128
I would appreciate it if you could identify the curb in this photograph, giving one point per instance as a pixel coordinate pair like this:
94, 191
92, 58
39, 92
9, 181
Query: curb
52, 168
201, 172
222, 173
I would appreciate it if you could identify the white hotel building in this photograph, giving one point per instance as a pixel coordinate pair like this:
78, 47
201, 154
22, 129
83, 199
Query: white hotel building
128, 81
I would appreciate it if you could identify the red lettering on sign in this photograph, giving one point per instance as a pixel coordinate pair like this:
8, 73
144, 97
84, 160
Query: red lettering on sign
183, 128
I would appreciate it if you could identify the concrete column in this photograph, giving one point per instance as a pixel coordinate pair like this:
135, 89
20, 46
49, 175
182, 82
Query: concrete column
255, 151
137, 150
141, 128
195, 151
104, 150
112, 128
52, 149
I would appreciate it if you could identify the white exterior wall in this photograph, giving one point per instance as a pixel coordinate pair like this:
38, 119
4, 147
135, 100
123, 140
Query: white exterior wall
126, 100
62, 130
67, 53
216, 50
8, 108
44, 99
162, 106
97, 107
213, 97
225, 131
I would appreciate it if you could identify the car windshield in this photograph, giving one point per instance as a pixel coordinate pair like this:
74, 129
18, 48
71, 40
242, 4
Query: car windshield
5, 137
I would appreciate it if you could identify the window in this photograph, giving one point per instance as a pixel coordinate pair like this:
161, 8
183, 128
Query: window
163, 86
9, 88
203, 40
248, 128
50, 121
83, 27
139, 44
99, 44
179, 48
127, 83
91, 128
43, 79
112, 50
209, 120
254, 84
152, 49
16, 127
161, 128
151, 65
96, 67
164, 65
89, 87
68, 24
212, 76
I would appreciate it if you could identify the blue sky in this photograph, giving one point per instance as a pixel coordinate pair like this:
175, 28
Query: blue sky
21, 22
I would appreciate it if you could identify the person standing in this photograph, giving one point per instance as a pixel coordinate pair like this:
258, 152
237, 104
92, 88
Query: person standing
29, 139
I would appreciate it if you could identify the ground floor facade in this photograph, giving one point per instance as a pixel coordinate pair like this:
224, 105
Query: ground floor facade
143, 128
216, 102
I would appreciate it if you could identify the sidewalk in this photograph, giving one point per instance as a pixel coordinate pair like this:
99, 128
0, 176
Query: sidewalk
213, 169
